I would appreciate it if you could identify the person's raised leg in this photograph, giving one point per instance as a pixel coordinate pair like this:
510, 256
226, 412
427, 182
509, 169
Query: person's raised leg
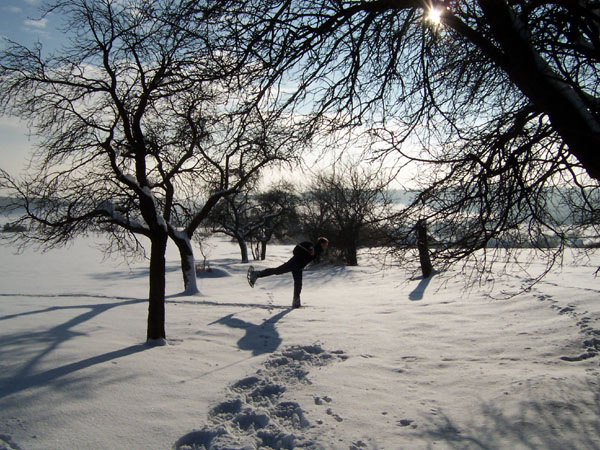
254, 275
284, 268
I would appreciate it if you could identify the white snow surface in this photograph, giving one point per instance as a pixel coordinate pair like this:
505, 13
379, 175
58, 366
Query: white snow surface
376, 358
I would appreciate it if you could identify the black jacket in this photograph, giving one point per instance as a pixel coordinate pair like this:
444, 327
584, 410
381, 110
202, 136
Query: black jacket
302, 254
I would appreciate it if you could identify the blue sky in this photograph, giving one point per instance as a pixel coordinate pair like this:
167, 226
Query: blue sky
21, 21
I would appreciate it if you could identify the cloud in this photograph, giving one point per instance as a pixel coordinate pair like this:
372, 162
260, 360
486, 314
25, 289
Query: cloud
12, 9
13, 123
37, 24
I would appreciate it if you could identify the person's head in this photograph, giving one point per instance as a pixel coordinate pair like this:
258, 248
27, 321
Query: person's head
323, 242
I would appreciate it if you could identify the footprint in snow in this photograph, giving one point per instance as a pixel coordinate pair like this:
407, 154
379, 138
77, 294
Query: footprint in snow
257, 416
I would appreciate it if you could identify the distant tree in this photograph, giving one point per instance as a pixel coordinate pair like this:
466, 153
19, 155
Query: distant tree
278, 204
13, 228
144, 127
249, 216
348, 205
236, 216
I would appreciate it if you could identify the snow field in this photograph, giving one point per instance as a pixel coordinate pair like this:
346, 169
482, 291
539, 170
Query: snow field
376, 359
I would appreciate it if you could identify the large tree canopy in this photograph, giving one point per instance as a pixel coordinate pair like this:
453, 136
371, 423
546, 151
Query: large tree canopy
498, 102
388, 60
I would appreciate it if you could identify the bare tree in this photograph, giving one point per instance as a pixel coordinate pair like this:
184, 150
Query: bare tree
278, 204
246, 143
237, 216
141, 134
349, 205
248, 215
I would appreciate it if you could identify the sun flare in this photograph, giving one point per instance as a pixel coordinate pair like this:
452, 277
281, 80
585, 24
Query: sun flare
435, 16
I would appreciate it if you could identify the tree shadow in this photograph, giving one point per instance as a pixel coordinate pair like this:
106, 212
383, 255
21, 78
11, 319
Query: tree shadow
50, 339
131, 273
567, 419
260, 339
417, 293
266, 306
103, 306
22, 382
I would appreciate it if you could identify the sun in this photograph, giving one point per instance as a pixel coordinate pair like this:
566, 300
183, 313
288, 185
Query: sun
435, 16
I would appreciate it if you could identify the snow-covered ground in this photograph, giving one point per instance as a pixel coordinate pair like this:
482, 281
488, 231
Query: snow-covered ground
375, 360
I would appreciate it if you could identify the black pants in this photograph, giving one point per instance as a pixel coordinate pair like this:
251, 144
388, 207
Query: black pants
290, 266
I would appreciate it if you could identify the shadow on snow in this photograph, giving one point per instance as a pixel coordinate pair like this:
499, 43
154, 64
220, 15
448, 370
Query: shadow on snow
259, 338
27, 376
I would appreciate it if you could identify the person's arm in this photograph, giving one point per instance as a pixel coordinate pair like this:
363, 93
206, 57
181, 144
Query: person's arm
307, 247
317, 255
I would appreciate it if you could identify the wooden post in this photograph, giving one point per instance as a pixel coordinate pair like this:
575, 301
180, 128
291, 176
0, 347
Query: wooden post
423, 247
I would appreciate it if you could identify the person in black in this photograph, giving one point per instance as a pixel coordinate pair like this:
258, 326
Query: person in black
303, 253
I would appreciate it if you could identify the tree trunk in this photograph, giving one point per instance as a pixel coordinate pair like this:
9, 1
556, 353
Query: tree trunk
570, 117
350, 252
268, 234
263, 250
423, 246
188, 264
156, 298
243, 249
